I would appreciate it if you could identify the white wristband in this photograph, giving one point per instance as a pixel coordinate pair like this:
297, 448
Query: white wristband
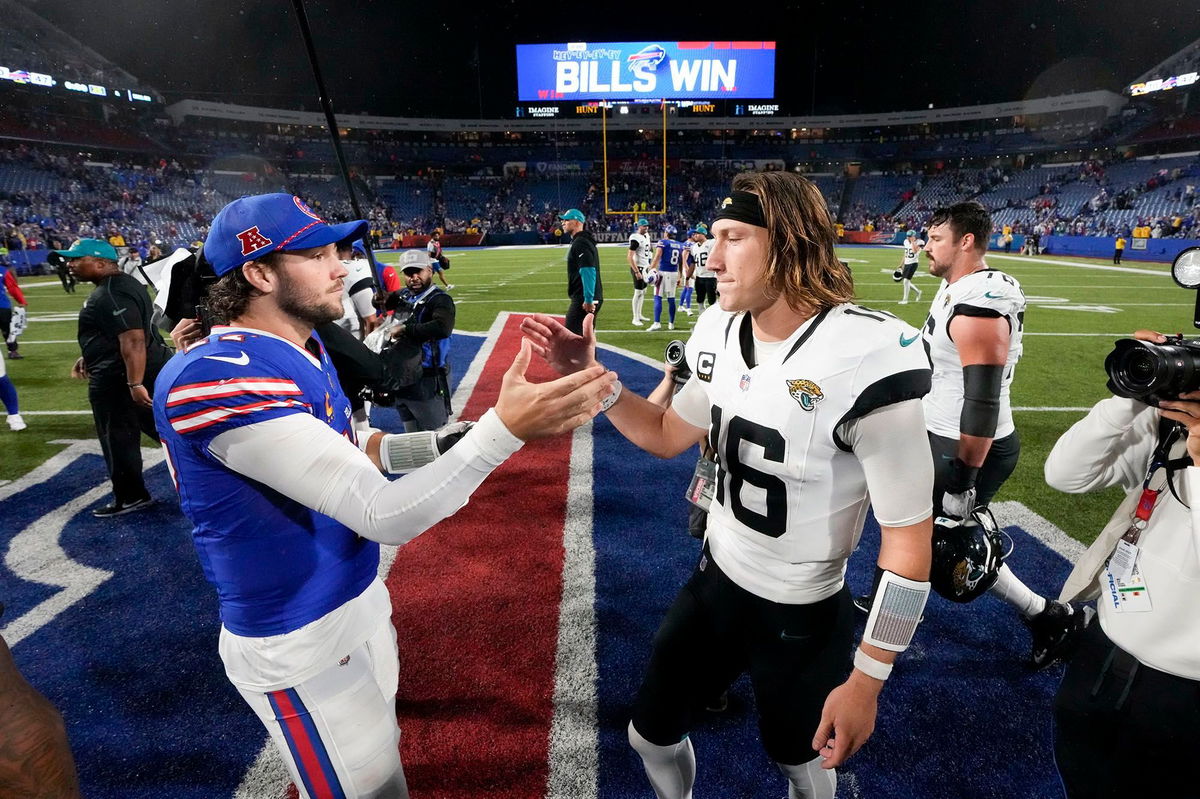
870, 666
612, 398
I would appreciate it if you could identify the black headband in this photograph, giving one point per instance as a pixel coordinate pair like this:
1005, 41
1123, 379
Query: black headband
742, 206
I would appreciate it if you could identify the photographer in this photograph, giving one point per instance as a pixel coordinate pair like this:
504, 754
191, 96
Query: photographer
426, 404
1128, 709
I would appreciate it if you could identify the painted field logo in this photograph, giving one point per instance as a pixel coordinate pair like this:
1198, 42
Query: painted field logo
805, 392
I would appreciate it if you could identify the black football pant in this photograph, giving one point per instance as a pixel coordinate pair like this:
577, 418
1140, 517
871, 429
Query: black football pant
1000, 462
119, 425
575, 314
715, 631
706, 291
1124, 729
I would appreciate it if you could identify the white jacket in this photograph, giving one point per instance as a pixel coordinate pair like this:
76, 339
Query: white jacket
1113, 445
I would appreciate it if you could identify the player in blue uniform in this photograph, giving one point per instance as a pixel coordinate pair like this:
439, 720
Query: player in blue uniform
289, 506
670, 258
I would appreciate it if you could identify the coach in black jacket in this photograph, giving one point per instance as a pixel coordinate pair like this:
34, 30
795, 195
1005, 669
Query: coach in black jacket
426, 404
583, 272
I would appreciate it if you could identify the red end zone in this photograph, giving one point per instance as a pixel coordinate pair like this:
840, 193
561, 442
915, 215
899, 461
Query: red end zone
476, 607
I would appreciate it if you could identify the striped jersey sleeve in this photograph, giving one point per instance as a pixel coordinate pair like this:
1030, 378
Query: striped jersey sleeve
210, 397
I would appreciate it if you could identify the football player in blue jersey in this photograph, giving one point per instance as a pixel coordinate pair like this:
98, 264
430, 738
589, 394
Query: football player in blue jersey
670, 259
812, 405
289, 504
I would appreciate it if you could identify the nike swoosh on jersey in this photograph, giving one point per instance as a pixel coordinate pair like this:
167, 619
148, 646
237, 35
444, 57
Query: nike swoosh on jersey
992, 296
905, 341
118, 312
242, 360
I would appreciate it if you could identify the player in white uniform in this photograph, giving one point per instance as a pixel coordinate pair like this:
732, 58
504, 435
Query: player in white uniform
639, 255
912, 258
974, 334
812, 405
705, 279
358, 310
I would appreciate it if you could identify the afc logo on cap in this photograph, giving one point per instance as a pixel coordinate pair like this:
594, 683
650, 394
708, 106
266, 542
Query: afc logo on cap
704, 366
253, 240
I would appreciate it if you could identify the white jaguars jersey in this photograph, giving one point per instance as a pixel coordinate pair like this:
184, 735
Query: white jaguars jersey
987, 292
700, 253
357, 290
644, 253
791, 496
912, 250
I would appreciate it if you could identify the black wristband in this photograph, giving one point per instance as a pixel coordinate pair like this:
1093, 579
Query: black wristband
961, 478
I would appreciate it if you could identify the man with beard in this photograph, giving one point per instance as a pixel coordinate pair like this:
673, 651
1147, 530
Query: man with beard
289, 506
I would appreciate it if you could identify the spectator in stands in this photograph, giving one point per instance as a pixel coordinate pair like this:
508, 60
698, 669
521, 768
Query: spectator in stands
122, 355
1119, 249
425, 405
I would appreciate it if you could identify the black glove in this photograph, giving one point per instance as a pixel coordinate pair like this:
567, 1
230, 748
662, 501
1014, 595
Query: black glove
446, 437
959, 498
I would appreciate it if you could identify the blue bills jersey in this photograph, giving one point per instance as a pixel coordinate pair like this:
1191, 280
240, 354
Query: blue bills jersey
674, 255
276, 563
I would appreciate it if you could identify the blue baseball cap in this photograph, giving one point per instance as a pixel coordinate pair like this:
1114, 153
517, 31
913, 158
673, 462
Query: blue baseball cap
574, 214
251, 227
97, 248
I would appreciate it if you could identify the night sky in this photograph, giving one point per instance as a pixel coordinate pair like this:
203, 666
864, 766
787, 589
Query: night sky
419, 59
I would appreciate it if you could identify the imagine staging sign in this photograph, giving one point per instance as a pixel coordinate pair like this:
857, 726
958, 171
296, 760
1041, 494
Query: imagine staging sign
652, 70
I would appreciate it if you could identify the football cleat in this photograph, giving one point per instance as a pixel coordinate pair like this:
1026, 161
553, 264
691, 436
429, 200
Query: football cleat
655, 326
16, 423
670, 325
637, 323
1056, 631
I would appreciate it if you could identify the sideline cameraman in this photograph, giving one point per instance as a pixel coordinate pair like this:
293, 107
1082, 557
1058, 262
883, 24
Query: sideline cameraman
1128, 709
426, 404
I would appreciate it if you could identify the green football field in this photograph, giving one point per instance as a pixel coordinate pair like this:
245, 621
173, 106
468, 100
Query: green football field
1077, 308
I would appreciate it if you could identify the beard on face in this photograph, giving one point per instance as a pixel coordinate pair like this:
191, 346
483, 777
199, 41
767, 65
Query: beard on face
312, 307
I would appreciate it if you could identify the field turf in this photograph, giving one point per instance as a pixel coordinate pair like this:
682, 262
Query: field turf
1077, 308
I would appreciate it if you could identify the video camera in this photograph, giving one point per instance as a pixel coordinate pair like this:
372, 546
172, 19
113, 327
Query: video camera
1150, 372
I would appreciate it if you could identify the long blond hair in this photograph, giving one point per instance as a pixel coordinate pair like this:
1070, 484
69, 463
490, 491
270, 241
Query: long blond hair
802, 265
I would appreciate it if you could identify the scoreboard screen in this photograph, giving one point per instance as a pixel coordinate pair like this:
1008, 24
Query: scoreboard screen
647, 70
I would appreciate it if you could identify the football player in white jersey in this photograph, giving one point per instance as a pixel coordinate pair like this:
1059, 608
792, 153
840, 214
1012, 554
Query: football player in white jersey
974, 337
812, 405
912, 259
358, 310
705, 279
641, 251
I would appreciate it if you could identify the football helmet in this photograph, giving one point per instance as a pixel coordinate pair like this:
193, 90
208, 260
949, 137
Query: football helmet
651, 277
898, 275
967, 555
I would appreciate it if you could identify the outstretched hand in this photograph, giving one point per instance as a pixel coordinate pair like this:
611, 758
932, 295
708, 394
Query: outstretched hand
537, 410
847, 720
566, 352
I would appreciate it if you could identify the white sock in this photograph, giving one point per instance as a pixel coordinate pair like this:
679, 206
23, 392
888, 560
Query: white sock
670, 769
809, 780
1010, 589
639, 297
907, 286
914, 287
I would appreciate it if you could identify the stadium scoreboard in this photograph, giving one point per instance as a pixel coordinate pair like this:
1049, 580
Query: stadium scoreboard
688, 71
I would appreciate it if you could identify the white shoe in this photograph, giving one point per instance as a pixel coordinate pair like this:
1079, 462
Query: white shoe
687, 311
637, 323
902, 302
15, 422
449, 287
670, 325
655, 326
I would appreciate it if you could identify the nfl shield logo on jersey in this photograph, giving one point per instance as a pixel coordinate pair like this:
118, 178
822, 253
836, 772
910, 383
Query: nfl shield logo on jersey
805, 392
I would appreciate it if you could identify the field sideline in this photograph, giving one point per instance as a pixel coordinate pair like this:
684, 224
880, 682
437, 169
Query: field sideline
1077, 308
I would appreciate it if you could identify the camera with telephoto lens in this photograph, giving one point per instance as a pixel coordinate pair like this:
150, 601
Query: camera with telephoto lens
1151, 373
676, 356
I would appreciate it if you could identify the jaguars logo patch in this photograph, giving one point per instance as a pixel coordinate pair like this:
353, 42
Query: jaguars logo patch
805, 392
